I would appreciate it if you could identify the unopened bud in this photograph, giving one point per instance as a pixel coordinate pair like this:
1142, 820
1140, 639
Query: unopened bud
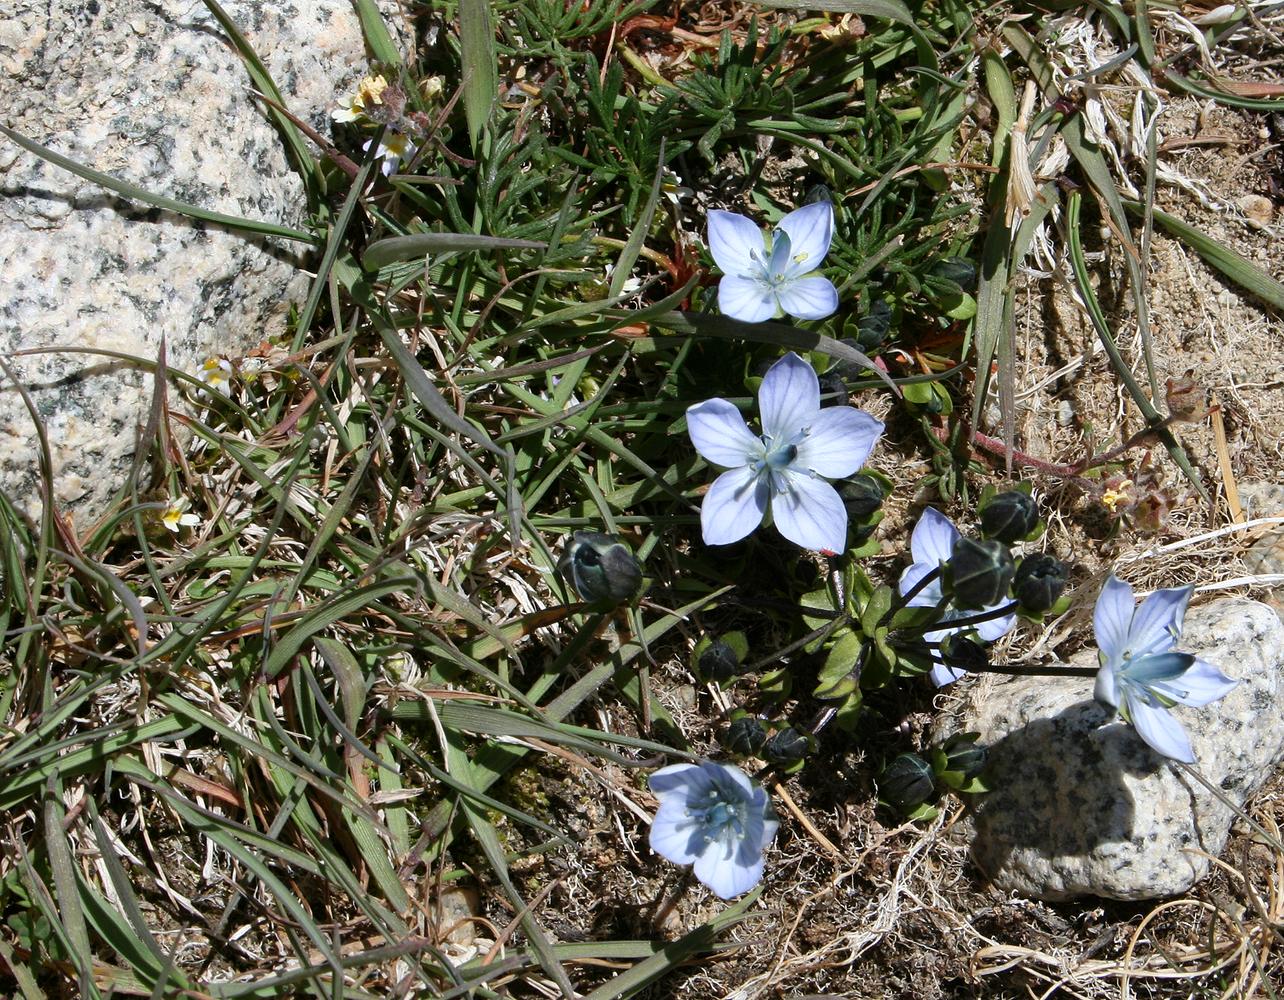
1038, 582
1010, 516
717, 660
745, 736
786, 747
861, 495
907, 782
980, 572
601, 568
1186, 400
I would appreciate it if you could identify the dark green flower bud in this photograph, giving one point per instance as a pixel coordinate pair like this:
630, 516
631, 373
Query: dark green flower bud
862, 495
907, 782
745, 736
601, 568
1010, 517
1039, 581
962, 653
980, 572
786, 747
833, 390
873, 327
718, 662
961, 754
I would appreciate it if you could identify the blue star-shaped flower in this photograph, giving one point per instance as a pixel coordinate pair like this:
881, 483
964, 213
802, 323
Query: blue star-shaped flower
786, 468
766, 275
1141, 677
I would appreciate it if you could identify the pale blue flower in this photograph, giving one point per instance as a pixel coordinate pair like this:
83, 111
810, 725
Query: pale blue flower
714, 817
765, 274
931, 544
1140, 676
786, 468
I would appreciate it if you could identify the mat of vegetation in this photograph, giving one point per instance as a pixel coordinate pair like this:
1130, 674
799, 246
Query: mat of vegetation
362, 688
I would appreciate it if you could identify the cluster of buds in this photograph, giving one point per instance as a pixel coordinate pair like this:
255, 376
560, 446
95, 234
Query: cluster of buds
982, 572
910, 783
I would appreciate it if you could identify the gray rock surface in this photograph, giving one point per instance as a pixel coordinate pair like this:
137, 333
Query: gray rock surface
1081, 806
151, 91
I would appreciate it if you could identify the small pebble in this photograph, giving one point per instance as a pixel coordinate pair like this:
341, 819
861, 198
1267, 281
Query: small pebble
1258, 210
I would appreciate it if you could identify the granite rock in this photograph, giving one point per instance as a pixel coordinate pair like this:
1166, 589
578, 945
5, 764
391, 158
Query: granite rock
152, 92
1081, 806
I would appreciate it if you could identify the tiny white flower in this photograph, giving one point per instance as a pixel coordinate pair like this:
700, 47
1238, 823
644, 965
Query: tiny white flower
713, 816
352, 107
1141, 677
931, 544
787, 467
175, 515
392, 149
216, 373
630, 286
765, 275
671, 187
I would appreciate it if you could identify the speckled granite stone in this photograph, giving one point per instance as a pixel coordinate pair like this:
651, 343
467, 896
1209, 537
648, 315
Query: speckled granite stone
1081, 807
150, 91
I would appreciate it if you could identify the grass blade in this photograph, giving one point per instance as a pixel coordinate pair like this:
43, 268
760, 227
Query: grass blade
481, 73
128, 190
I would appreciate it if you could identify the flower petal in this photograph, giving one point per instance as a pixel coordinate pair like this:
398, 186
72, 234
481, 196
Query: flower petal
1105, 688
1158, 728
675, 836
929, 596
746, 299
813, 297
1112, 618
933, 539
1148, 671
838, 441
733, 507
725, 876
996, 628
1202, 684
781, 252
942, 675
733, 240
721, 435
810, 229
1157, 623
789, 398
685, 778
809, 512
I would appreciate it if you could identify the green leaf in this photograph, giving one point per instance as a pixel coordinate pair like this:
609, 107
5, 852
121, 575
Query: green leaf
1244, 273
878, 604
481, 74
779, 334
376, 34
133, 191
395, 248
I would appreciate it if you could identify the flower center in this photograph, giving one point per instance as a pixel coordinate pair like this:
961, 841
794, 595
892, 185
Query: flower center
765, 275
720, 817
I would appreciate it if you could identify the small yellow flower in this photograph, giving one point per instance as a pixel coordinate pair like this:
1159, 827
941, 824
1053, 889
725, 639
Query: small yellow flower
175, 515
1117, 494
353, 106
216, 373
